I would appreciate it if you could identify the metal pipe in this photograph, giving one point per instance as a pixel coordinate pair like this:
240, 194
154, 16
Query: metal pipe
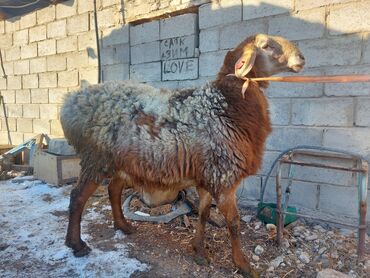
362, 194
279, 214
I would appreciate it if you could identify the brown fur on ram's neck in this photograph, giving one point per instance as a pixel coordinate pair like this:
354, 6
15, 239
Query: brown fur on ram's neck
249, 115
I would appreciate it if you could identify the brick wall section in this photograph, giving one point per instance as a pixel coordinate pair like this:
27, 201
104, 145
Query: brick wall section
51, 52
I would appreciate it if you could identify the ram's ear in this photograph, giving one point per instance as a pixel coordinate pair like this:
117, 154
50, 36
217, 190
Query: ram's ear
245, 62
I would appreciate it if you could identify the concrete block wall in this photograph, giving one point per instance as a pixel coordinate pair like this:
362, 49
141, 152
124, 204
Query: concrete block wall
50, 52
53, 51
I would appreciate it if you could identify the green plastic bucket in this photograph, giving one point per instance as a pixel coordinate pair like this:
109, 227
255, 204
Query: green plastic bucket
266, 212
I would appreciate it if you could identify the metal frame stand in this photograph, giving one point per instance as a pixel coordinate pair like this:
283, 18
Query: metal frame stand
289, 158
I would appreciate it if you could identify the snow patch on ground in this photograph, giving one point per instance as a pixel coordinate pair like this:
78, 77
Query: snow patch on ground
33, 224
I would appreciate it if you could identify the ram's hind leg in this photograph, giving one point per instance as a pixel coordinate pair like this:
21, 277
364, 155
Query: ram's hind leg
79, 195
115, 196
226, 202
205, 200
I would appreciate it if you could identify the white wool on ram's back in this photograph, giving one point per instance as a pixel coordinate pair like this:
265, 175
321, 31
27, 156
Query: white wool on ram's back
108, 118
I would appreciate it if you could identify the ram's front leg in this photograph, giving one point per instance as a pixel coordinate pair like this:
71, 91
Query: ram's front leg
115, 197
226, 202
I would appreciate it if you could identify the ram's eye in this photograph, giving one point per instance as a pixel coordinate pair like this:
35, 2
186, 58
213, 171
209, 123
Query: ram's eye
265, 46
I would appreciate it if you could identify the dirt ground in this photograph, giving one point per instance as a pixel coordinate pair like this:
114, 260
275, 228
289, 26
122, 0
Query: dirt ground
166, 248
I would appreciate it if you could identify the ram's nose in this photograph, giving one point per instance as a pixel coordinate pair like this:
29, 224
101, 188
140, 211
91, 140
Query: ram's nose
296, 63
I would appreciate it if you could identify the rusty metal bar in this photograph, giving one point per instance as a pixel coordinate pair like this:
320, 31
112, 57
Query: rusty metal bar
362, 194
279, 214
319, 165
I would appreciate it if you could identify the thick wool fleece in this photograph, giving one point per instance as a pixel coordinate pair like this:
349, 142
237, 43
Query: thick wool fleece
158, 138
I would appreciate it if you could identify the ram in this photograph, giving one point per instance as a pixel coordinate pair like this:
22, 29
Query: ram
162, 141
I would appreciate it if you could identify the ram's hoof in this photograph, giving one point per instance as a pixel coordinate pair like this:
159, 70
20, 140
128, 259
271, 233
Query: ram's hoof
127, 228
82, 252
250, 274
200, 260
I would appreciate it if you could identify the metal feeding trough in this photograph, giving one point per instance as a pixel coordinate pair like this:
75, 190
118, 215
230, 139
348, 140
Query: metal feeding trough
283, 214
179, 207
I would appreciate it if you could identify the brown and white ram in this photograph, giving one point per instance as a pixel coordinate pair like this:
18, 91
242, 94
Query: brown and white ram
161, 141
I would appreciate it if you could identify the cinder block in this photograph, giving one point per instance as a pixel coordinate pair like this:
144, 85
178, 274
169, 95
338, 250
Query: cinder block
146, 72
283, 138
68, 78
46, 14
12, 124
17, 138
209, 40
107, 18
119, 54
40, 95
366, 51
78, 24
323, 112
21, 67
2, 26
48, 111
67, 44
37, 33
116, 72
56, 63
24, 125
344, 202
13, 53
354, 139
87, 40
262, 8
193, 83
12, 26
146, 32
56, 128
177, 26
20, 37
86, 6
233, 35
14, 110
363, 112
330, 52
114, 36
348, 89
306, 189
22, 96
14, 82
8, 66
2, 83
211, 62
66, 9
41, 126
280, 111
57, 29
107, 3
6, 40
47, 47
77, 60
31, 111
89, 76
30, 81
309, 4
28, 20
249, 188
38, 65
57, 95
349, 18
9, 96
301, 25
29, 51
47, 80
146, 52
219, 13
